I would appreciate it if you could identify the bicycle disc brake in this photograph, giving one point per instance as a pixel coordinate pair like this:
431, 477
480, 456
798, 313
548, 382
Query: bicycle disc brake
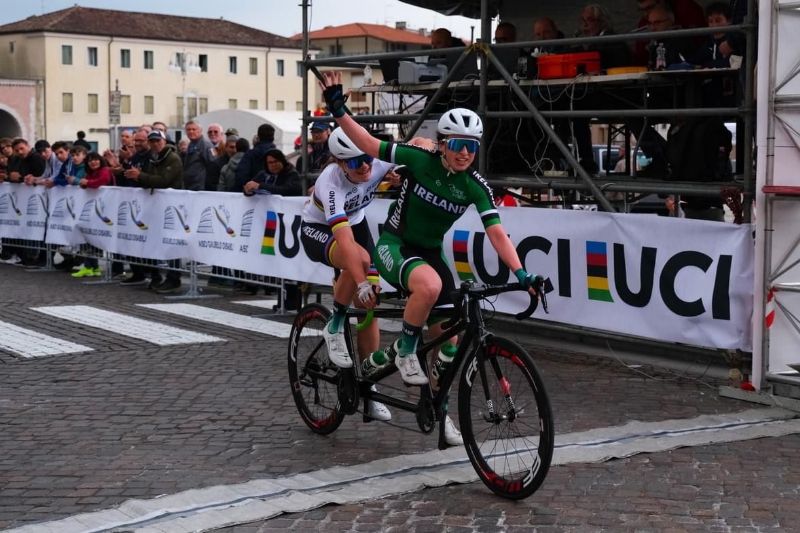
347, 389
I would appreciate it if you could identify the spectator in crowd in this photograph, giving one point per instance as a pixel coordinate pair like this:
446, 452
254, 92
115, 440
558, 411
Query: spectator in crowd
278, 177
253, 161
716, 52
442, 38
162, 127
25, 162
97, 175
664, 53
164, 170
74, 168
183, 147
52, 163
81, 140
686, 14
545, 29
319, 154
505, 33
61, 153
595, 21
6, 152
198, 158
215, 137
227, 176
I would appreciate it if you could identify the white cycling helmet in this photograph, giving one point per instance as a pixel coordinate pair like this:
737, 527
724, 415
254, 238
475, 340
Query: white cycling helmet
460, 121
341, 146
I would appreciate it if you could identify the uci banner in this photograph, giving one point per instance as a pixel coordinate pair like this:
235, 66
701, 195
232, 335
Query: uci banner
674, 280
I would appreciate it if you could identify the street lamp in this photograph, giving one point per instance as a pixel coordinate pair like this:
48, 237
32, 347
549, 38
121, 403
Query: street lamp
183, 63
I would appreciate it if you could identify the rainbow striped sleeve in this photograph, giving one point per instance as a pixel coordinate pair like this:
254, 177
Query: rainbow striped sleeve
337, 221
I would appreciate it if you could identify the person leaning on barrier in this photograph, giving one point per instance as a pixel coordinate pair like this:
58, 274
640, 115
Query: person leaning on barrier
198, 160
278, 177
164, 170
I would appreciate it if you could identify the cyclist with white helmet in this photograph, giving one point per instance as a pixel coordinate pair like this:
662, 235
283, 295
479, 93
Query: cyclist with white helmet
334, 232
442, 186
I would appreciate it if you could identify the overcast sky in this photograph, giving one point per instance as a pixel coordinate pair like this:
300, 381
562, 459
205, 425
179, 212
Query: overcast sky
282, 17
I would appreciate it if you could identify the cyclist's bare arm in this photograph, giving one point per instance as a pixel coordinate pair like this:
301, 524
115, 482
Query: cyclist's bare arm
349, 255
505, 249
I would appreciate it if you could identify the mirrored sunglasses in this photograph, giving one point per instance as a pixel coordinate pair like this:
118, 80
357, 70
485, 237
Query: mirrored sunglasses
355, 162
457, 144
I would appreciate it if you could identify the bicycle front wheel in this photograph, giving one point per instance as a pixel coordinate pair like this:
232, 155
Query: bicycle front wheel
312, 376
505, 418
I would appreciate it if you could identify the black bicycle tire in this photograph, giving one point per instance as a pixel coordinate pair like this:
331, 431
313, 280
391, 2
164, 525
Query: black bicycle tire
322, 426
522, 486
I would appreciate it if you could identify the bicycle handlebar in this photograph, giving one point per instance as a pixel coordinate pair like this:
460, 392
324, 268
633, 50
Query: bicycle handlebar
469, 289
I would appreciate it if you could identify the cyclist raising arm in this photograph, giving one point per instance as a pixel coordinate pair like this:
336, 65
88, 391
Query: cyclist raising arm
409, 251
334, 232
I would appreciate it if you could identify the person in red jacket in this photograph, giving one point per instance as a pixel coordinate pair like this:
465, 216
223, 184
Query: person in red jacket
98, 174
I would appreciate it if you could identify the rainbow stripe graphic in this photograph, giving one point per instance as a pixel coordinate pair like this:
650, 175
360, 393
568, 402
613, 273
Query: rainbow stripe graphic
597, 271
338, 221
461, 255
270, 227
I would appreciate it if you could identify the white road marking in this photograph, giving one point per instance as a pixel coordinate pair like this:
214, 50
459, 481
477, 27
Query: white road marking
226, 318
265, 304
126, 325
227, 505
29, 343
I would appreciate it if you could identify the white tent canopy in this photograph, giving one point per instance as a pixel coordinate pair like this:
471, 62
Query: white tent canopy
287, 124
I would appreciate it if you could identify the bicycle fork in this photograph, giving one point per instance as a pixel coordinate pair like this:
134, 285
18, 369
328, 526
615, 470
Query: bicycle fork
492, 416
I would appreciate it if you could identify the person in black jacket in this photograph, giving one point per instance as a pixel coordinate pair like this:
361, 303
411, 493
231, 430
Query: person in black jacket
278, 177
253, 161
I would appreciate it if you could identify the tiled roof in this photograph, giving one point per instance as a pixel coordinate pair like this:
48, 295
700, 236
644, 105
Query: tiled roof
361, 29
90, 21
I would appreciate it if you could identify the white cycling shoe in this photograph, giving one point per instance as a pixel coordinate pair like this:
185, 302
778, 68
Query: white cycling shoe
452, 436
337, 348
408, 365
378, 411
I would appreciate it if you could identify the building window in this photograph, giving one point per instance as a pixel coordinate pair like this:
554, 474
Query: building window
66, 54
280, 105
92, 103
149, 105
179, 103
125, 104
66, 102
92, 58
202, 61
253, 66
232, 68
299, 68
203, 105
232, 103
298, 106
335, 50
253, 104
148, 60
11, 46
280, 67
192, 107
125, 58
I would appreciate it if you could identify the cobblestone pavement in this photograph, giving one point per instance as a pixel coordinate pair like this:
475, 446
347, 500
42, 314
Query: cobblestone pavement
87, 431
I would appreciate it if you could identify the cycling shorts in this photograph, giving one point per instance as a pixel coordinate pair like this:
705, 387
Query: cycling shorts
318, 240
395, 260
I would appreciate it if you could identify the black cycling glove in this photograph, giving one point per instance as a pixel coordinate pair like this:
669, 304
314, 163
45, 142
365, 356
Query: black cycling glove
335, 99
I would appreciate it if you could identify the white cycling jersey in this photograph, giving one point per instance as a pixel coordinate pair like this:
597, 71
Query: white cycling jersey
336, 200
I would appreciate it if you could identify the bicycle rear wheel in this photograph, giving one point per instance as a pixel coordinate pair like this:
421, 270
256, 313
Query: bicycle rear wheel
505, 418
312, 376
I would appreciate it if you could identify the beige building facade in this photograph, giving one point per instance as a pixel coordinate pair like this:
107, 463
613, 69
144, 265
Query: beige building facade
170, 78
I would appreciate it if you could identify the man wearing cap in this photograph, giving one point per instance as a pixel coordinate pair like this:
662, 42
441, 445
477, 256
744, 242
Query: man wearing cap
253, 161
164, 170
318, 153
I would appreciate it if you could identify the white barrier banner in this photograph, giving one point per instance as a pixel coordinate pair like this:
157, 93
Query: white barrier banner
675, 280
23, 211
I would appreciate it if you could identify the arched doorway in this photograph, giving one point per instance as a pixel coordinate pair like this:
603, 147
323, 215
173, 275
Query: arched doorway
9, 126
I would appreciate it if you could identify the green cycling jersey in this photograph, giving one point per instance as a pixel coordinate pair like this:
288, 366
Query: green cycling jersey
433, 198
